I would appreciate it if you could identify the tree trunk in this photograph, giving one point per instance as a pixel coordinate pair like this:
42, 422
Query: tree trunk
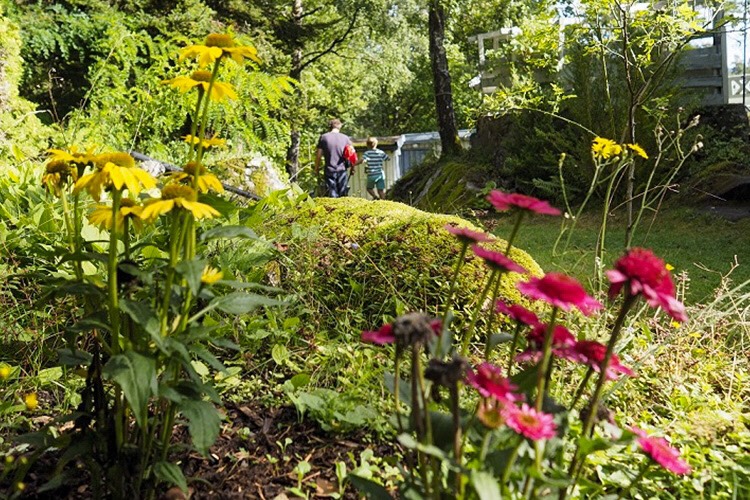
441, 80
292, 153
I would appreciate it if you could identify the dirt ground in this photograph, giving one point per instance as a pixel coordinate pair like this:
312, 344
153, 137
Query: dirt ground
253, 458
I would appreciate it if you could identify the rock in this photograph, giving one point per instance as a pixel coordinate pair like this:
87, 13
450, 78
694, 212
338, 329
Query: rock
358, 261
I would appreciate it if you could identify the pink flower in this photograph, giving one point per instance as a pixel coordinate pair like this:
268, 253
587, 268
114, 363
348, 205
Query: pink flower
592, 353
489, 382
645, 273
497, 260
517, 312
467, 235
437, 326
530, 423
661, 452
562, 342
561, 291
505, 201
381, 337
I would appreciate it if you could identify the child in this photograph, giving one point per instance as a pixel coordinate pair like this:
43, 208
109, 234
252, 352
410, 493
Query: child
374, 159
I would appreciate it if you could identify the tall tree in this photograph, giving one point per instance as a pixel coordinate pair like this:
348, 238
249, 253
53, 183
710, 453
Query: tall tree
441, 80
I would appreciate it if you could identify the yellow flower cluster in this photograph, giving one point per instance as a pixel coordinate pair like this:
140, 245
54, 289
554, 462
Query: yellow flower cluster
604, 149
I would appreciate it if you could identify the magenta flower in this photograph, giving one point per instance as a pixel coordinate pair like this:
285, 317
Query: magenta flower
381, 337
437, 326
530, 423
590, 352
517, 312
467, 235
561, 291
497, 261
645, 273
505, 201
562, 342
489, 382
661, 452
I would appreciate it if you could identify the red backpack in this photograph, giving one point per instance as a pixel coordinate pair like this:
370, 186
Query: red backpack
350, 156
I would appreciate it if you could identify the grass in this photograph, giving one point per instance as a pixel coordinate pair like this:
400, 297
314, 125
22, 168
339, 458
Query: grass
702, 248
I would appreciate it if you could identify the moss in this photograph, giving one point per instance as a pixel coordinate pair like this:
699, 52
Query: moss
356, 263
450, 185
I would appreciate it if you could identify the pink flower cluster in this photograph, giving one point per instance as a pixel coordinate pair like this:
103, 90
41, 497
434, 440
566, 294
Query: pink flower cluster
499, 406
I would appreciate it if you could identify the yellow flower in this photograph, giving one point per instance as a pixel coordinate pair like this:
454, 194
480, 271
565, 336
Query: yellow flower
605, 148
5, 372
211, 275
176, 195
72, 155
206, 143
31, 401
676, 324
635, 148
206, 181
669, 267
129, 209
117, 170
57, 174
202, 80
216, 46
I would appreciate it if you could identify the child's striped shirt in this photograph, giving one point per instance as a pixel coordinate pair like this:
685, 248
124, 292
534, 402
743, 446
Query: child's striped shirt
375, 161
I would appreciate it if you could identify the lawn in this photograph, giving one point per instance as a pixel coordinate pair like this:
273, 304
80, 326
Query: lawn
702, 248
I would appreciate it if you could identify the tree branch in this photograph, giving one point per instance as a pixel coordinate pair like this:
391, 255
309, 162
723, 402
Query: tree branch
314, 56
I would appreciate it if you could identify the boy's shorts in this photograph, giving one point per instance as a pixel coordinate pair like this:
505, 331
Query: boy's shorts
376, 181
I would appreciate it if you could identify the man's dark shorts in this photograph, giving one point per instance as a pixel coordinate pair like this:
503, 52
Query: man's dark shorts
337, 183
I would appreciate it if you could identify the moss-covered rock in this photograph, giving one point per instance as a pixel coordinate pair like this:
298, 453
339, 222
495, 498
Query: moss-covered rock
356, 263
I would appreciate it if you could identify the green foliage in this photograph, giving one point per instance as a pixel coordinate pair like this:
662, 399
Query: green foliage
18, 118
356, 263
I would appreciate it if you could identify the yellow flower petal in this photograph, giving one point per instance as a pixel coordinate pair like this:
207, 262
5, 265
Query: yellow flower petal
199, 210
31, 401
5, 372
157, 208
211, 275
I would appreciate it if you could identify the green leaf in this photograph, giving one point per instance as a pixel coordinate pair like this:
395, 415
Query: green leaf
403, 388
171, 474
280, 354
368, 488
73, 357
499, 338
192, 270
486, 485
229, 232
136, 376
590, 445
204, 423
49, 375
240, 303
300, 380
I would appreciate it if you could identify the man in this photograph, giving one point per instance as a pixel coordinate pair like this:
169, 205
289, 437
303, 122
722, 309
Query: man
331, 147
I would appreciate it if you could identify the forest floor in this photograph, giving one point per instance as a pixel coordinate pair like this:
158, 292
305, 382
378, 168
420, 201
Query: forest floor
254, 458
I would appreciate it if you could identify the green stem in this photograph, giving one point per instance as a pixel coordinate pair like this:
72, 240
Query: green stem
174, 240
114, 306
397, 389
204, 118
454, 281
509, 467
513, 345
577, 461
635, 480
475, 313
194, 125
541, 375
582, 387
493, 303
